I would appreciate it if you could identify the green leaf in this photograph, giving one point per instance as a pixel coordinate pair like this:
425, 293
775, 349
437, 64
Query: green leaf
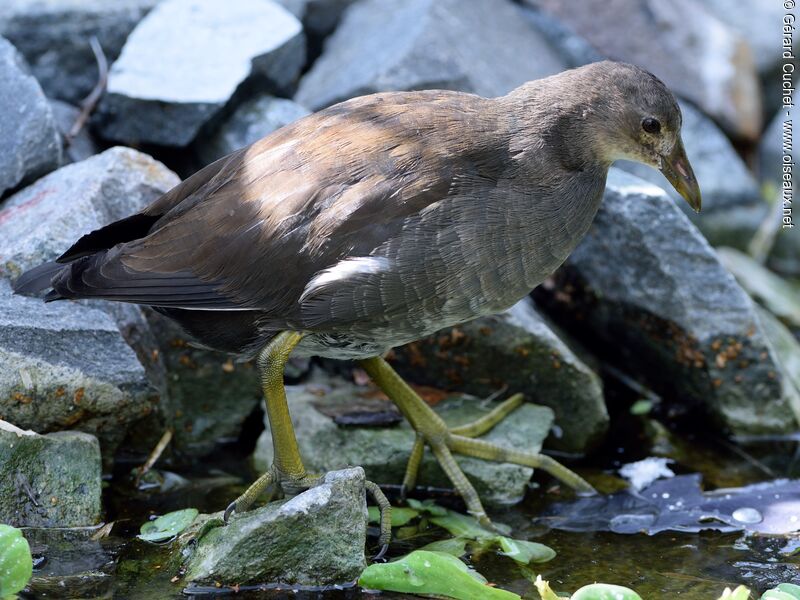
784, 591
456, 546
523, 551
428, 506
16, 564
430, 573
740, 593
400, 515
641, 407
605, 591
463, 526
543, 587
167, 526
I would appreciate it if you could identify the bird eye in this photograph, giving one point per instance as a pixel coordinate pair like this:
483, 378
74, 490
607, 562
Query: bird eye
651, 125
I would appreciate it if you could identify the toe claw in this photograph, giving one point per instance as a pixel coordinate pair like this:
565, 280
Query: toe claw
403, 494
231, 508
381, 553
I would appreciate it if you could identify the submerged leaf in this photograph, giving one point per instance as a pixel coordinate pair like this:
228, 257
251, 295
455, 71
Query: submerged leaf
16, 564
462, 525
523, 551
430, 573
167, 526
456, 546
428, 506
605, 591
400, 515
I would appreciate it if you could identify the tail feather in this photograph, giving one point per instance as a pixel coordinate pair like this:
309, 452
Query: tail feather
38, 279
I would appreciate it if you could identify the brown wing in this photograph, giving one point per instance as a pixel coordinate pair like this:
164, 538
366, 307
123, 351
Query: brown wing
251, 231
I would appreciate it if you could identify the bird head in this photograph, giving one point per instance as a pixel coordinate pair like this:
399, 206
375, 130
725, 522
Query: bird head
641, 121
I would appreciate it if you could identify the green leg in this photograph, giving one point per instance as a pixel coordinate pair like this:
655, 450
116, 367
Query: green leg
434, 432
412, 468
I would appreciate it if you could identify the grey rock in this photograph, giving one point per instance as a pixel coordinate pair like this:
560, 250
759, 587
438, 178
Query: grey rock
732, 204
250, 122
520, 351
82, 146
316, 538
67, 367
649, 291
197, 54
30, 144
54, 35
483, 46
49, 480
756, 22
770, 150
208, 395
787, 350
321, 17
41, 221
575, 49
682, 43
384, 451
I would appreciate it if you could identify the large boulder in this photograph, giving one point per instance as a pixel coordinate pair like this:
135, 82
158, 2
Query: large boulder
82, 146
646, 290
185, 62
324, 408
482, 46
51, 480
63, 366
697, 55
30, 144
732, 204
315, 539
54, 38
250, 122
515, 351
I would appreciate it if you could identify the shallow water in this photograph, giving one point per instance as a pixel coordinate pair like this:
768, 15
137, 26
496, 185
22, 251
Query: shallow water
666, 565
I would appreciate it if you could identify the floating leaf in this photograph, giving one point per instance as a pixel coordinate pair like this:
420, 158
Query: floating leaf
400, 515
431, 573
740, 593
543, 587
523, 551
605, 591
456, 546
16, 564
167, 526
428, 506
784, 591
462, 525
641, 407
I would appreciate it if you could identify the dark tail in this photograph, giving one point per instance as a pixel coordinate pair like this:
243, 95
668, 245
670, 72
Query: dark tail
38, 279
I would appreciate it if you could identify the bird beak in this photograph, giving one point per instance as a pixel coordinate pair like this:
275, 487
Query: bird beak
678, 171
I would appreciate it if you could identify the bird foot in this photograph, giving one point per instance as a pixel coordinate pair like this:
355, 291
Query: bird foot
445, 442
293, 485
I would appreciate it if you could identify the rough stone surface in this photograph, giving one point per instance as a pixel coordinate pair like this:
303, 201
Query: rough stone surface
30, 144
253, 120
49, 480
787, 352
208, 395
185, 61
316, 538
732, 204
697, 56
63, 366
482, 46
651, 294
54, 35
320, 17
40, 222
517, 350
383, 451
82, 146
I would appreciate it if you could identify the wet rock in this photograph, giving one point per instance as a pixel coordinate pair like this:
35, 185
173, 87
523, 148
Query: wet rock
40, 222
49, 480
253, 120
383, 451
54, 38
697, 56
198, 53
520, 350
30, 144
483, 46
316, 538
646, 290
63, 366
787, 351
732, 205
82, 146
